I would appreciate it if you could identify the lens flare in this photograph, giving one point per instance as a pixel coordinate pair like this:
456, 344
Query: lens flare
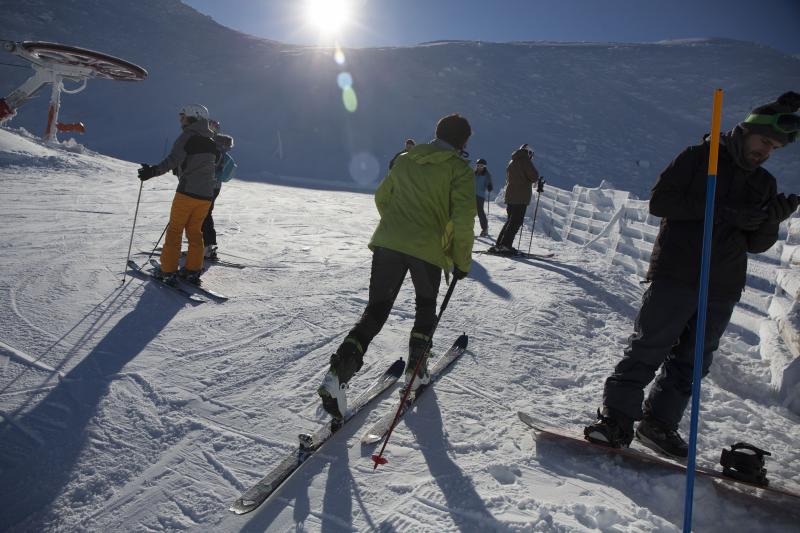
344, 80
338, 55
349, 99
364, 168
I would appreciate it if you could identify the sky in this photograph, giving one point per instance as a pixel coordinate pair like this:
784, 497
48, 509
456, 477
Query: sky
373, 23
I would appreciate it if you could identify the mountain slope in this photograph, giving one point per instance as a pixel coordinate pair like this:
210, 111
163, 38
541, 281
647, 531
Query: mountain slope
618, 112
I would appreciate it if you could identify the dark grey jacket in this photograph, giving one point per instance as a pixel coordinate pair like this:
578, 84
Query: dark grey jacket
679, 196
193, 158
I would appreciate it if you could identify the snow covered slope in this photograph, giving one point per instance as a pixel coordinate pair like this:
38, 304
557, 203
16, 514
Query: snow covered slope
126, 409
592, 112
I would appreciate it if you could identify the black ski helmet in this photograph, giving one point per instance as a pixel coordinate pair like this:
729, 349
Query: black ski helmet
481, 161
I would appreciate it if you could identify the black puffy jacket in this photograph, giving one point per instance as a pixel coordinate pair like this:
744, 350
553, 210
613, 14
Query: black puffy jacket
679, 196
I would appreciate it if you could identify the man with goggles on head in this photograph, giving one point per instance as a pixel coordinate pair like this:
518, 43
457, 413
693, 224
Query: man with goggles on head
748, 212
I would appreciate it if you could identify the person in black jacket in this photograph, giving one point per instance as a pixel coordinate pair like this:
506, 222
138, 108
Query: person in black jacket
748, 211
409, 145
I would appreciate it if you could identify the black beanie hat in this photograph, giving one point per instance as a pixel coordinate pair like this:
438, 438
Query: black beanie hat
786, 103
454, 130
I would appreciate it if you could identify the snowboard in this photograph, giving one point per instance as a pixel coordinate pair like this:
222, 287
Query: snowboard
546, 429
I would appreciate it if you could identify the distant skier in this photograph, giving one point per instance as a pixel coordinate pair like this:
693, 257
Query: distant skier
748, 211
224, 170
410, 143
427, 210
521, 176
192, 158
483, 186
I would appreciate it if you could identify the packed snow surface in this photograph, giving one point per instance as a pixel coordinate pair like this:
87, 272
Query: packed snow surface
125, 408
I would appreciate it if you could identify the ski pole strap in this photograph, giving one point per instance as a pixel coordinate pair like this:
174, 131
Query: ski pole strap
745, 462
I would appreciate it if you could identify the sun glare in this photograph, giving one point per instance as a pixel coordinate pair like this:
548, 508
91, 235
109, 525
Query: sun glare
328, 16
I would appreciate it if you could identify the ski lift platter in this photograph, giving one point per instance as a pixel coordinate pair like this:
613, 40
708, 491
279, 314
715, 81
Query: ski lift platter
52, 63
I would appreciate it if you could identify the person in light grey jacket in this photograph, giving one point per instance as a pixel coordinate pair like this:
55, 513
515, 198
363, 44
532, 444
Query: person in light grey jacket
192, 159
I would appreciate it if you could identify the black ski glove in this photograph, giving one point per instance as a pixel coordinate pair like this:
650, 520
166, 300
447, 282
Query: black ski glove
781, 208
459, 274
147, 172
744, 218
489, 188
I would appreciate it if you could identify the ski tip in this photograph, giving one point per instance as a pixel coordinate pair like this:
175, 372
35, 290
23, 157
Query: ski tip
396, 370
241, 507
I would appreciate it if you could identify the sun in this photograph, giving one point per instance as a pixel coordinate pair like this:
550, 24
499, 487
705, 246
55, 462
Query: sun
328, 16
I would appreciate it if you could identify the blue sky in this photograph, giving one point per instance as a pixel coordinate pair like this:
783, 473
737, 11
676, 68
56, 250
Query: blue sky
405, 22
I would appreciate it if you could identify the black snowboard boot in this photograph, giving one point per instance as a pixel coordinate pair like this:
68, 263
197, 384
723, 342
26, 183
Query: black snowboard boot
665, 440
611, 431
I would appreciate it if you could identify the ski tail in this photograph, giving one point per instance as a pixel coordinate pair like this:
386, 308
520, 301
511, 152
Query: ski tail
310, 443
379, 429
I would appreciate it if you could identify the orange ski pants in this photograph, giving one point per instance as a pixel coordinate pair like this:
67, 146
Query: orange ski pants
187, 214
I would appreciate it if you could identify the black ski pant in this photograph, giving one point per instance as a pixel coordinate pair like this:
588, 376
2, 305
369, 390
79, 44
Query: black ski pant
664, 337
516, 215
389, 269
479, 201
209, 233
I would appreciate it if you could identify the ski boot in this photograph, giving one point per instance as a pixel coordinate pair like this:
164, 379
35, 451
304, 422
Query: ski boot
190, 276
418, 347
484, 233
344, 363
662, 439
614, 432
168, 278
210, 252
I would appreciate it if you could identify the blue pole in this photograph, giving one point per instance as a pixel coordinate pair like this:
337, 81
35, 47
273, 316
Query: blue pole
702, 304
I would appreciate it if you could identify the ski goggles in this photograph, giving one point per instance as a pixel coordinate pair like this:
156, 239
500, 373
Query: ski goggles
782, 122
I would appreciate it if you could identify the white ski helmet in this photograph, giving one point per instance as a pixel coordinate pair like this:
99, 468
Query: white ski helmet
194, 111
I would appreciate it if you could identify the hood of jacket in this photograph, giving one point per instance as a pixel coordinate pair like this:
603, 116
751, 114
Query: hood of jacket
519, 154
432, 153
200, 127
223, 142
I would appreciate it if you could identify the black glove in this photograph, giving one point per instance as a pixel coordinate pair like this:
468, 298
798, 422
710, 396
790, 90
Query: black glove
781, 208
459, 274
489, 188
147, 172
540, 185
744, 218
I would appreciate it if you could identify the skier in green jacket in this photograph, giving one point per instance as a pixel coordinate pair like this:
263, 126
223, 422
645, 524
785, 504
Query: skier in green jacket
427, 210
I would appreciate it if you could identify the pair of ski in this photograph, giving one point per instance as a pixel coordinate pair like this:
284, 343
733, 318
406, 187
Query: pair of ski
218, 262
310, 443
517, 254
188, 290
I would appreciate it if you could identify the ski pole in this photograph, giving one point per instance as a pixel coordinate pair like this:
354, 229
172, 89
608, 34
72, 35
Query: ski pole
378, 458
539, 189
157, 243
130, 244
522, 227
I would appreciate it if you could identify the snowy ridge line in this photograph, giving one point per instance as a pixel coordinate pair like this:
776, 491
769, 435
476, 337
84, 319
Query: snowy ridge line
13, 353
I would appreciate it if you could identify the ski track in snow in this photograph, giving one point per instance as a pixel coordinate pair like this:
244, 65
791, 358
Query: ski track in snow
167, 411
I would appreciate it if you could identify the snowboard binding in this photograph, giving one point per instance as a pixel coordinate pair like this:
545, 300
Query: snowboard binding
745, 462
